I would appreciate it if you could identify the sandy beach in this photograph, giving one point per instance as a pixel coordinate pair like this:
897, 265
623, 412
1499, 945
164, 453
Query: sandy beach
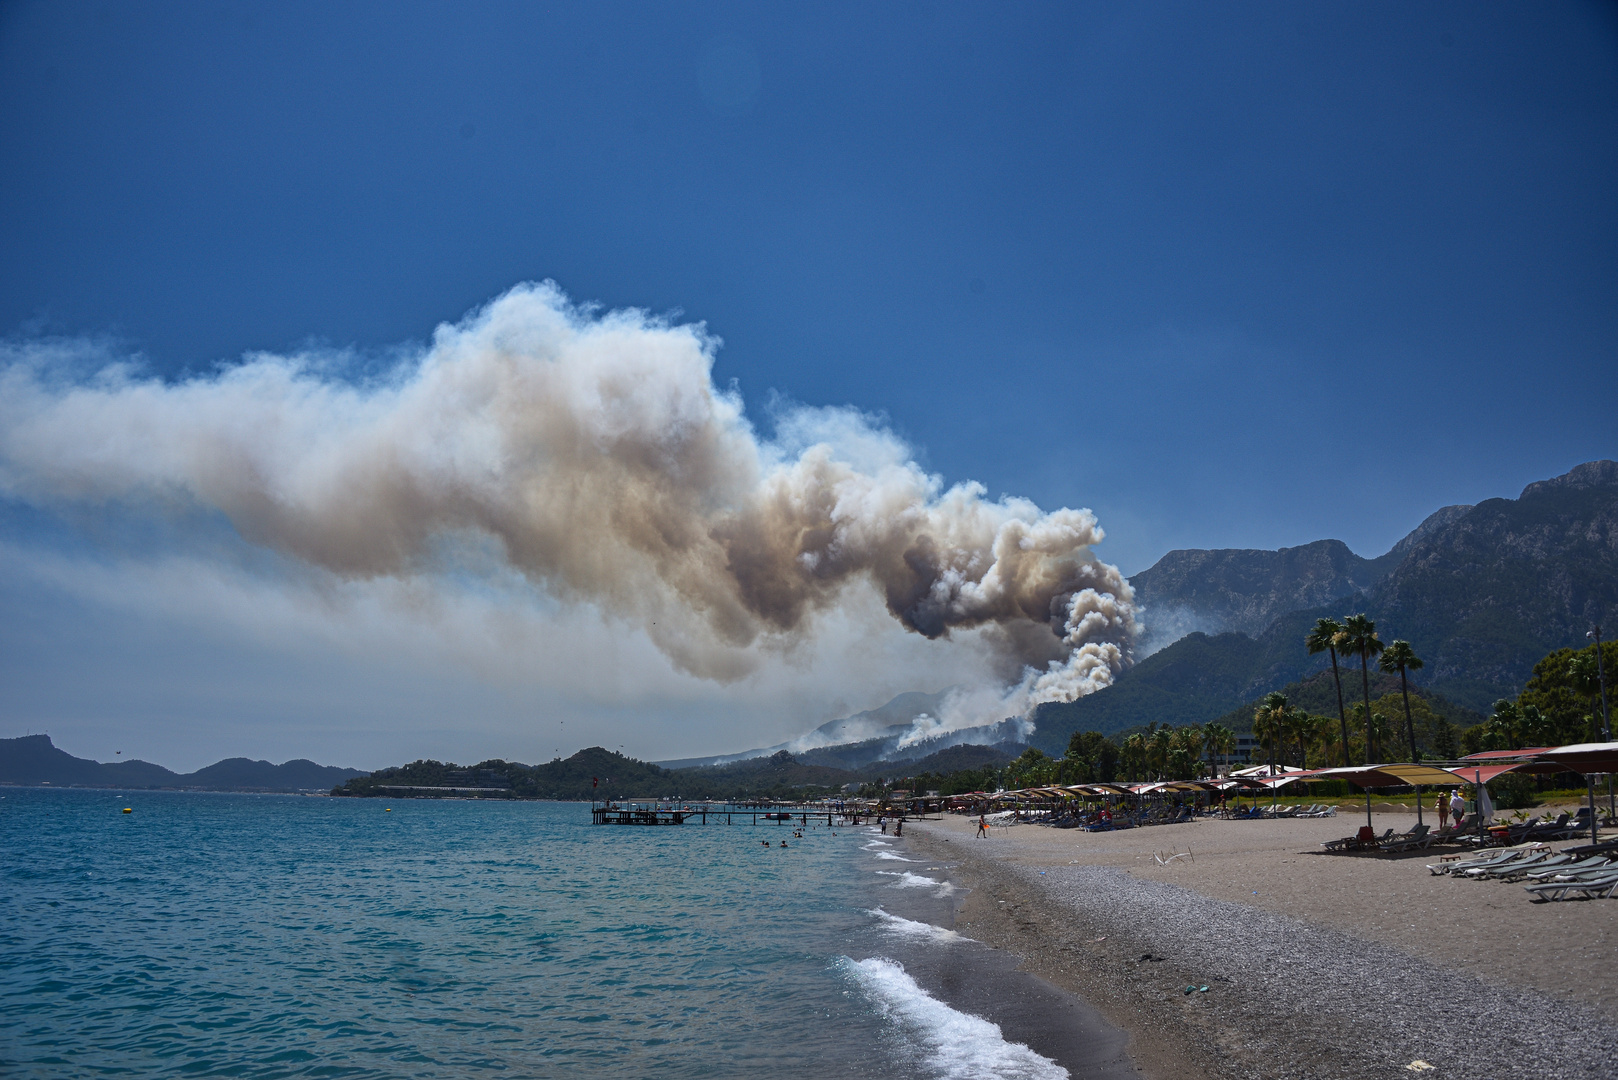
1317, 965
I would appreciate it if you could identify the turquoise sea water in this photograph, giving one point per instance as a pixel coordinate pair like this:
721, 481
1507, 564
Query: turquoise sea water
266, 936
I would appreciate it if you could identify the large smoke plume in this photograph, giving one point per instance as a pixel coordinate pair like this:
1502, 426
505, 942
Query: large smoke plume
597, 452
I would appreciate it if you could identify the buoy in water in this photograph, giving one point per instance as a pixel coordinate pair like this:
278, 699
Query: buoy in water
387, 809
129, 809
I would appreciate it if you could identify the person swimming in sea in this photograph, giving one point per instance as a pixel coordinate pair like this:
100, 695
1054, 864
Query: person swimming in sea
783, 844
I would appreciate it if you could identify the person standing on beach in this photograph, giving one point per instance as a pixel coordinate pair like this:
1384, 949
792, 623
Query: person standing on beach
1443, 812
1457, 806
883, 821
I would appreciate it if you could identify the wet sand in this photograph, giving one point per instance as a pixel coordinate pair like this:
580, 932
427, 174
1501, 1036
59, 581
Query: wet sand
991, 983
1318, 965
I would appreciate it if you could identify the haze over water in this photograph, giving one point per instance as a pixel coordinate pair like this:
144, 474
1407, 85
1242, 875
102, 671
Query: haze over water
266, 936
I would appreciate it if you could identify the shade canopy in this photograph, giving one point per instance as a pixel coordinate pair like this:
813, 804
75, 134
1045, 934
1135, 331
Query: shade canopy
1507, 755
1394, 774
1584, 757
1272, 782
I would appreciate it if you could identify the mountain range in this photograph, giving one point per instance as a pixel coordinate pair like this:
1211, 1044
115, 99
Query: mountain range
34, 760
1481, 592
891, 734
598, 773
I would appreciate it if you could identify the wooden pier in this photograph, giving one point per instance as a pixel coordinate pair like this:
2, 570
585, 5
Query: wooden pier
725, 814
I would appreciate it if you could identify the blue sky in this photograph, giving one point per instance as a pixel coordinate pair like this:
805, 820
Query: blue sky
1229, 275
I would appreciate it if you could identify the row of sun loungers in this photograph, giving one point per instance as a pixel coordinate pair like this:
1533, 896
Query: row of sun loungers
1389, 841
1289, 811
1547, 875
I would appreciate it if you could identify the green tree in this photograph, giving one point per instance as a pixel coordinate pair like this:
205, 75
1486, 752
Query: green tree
1132, 756
1444, 739
1185, 753
1359, 639
1095, 757
1219, 741
1269, 723
1584, 679
1400, 657
1503, 729
1564, 687
1323, 638
1158, 746
1534, 727
1310, 730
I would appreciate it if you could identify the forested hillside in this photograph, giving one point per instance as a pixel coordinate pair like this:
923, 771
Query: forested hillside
1482, 593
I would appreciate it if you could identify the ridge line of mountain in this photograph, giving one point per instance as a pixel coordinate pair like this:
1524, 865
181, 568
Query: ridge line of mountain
35, 760
1481, 592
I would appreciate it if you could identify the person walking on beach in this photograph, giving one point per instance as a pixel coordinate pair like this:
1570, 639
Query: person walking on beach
883, 821
983, 827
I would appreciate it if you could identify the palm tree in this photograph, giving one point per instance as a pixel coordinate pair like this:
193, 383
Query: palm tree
1585, 679
1186, 752
1132, 755
1400, 657
1157, 752
1308, 729
1269, 723
1505, 730
1359, 639
1215, 738
1323, 638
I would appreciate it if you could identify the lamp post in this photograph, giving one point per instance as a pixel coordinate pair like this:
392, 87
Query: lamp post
1606, 727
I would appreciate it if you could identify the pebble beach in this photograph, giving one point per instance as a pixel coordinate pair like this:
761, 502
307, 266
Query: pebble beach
1315, 965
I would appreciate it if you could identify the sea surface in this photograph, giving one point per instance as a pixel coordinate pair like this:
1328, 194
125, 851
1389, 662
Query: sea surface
280, 936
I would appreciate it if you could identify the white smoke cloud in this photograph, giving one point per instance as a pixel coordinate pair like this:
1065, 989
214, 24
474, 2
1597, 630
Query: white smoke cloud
590, 455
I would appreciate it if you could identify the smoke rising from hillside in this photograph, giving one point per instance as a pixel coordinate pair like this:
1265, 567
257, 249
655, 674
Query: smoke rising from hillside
596, 452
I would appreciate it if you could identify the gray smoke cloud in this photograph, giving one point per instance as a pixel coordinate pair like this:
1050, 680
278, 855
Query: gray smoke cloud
596, 453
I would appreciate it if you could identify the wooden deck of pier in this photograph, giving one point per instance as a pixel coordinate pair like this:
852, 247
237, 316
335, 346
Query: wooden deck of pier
725, 814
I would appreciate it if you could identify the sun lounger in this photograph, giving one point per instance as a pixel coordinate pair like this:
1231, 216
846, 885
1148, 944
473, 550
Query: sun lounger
1581, 868
1516, 871
1462, 865
1602, 885
1517, 858
1550, 830
1415, 838
1511, 867
1364, 840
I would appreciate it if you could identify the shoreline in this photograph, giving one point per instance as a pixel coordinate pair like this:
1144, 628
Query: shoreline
1294, 990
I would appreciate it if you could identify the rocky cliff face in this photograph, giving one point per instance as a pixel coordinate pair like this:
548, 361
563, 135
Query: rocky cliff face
1485, 596
1482, 592
1245, 590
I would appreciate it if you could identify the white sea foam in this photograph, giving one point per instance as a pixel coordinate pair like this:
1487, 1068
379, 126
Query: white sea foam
896, 924
891, 855
877, 844
952, 1045
907, 880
